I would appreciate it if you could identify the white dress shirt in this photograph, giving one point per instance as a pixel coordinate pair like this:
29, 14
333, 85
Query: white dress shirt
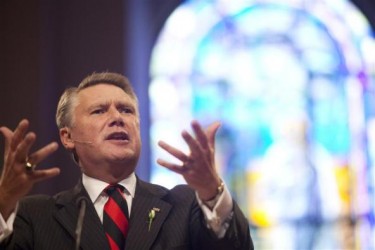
95, 188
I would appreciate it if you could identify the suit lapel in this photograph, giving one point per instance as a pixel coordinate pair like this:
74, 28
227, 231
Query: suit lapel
146, 198
93, 236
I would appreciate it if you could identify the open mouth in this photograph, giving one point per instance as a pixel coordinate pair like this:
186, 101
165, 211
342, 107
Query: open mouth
118, 136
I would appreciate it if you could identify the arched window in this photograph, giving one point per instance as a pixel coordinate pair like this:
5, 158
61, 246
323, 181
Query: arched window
293, 84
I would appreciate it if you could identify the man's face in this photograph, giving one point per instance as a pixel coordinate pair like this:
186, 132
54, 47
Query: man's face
105, 130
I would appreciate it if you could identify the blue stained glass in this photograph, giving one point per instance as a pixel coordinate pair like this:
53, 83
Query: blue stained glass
292, 86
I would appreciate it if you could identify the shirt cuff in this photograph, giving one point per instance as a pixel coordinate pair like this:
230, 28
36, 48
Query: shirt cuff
6, 227
218, 214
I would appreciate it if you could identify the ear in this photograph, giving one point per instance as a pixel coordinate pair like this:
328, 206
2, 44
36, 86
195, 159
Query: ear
66, 139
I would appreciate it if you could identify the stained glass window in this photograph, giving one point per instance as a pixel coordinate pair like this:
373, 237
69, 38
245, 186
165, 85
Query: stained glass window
292, 83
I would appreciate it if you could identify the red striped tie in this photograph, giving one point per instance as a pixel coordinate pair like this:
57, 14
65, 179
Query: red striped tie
115, 217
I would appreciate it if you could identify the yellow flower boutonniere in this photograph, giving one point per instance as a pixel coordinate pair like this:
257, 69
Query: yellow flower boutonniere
151, 217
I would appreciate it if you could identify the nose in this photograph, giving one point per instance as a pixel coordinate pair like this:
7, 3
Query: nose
116, 118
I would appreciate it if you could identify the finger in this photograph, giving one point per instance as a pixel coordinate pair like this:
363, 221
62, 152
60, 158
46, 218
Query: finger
172, 166
23, 148
19, 133
201, 136
42, 153
7, 133
173, 151
194, 146
40, 175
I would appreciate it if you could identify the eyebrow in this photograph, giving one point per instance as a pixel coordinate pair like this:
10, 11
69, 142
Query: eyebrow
108, 103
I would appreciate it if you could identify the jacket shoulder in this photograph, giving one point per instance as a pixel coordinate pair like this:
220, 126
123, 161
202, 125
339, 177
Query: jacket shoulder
179, 193
33, 200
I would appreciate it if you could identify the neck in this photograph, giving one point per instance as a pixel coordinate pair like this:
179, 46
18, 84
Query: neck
109, 173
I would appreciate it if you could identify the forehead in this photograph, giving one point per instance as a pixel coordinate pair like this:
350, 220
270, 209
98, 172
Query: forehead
100, 93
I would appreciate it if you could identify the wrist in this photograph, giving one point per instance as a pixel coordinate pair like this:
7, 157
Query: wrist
213, 195
7, 205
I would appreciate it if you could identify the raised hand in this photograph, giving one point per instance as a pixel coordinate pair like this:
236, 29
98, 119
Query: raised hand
198, 167
18, 175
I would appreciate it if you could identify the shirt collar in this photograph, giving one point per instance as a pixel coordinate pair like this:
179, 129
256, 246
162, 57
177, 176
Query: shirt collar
94, 187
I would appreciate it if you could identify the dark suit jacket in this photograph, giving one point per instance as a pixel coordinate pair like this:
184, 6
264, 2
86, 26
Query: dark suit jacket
45, 222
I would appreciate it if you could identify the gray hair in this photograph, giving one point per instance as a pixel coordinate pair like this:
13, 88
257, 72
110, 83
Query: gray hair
64, 117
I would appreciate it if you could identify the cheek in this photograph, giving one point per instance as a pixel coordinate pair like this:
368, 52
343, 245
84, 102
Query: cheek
136, 129
87, 129
135, 124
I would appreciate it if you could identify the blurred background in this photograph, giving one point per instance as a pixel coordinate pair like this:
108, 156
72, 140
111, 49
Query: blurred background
292, 82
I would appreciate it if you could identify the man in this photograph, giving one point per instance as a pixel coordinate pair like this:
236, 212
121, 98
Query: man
99, 123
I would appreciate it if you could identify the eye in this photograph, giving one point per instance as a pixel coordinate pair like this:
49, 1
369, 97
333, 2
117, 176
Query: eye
126, 110
98, 111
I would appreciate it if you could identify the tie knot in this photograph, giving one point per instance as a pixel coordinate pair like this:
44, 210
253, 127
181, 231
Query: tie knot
110, 189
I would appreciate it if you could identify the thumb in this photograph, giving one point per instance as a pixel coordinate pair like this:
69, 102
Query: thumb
211, 133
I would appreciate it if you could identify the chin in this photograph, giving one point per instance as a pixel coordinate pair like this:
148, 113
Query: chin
124, 158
